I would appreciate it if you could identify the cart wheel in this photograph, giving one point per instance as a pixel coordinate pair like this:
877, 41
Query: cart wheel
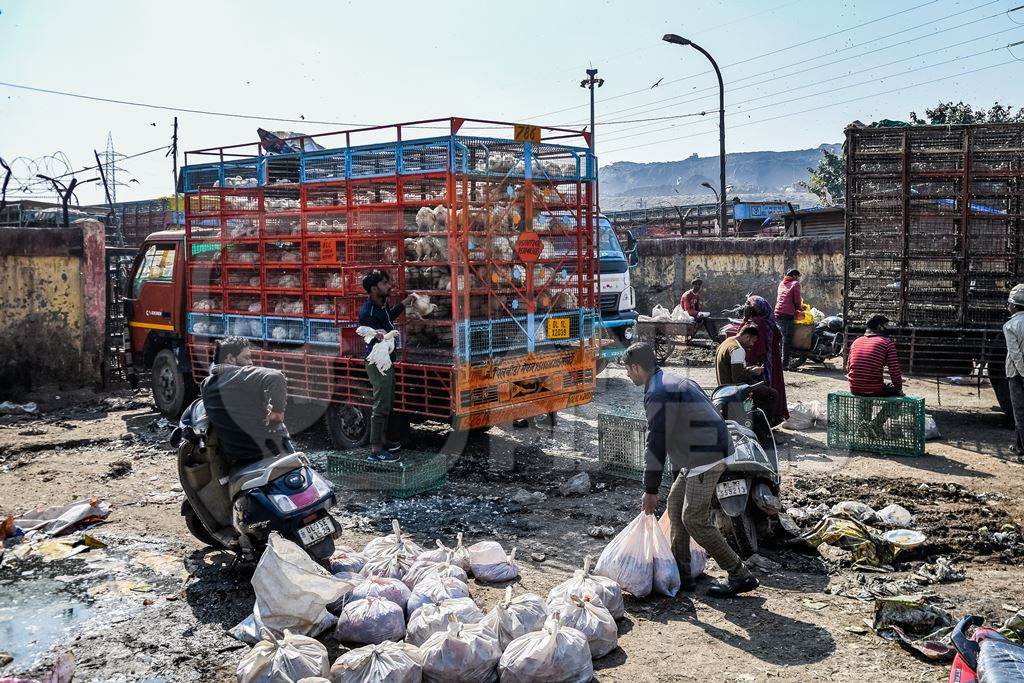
663, 348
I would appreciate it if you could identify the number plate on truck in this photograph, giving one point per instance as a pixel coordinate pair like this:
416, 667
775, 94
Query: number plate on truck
734, 487
311, 533
558, 328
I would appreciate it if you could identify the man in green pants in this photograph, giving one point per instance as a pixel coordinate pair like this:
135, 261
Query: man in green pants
685, 431
378, 315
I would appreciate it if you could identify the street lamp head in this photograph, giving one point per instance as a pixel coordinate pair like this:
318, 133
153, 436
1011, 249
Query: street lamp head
673, 38
707, 185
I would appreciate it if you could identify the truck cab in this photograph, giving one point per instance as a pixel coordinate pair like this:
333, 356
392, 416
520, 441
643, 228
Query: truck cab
155, 311
616, 298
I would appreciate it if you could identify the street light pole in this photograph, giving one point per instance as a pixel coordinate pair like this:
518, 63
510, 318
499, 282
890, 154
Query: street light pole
679, 40
591, 82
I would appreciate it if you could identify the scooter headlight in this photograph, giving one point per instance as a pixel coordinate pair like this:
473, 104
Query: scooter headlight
283, 503
323, 488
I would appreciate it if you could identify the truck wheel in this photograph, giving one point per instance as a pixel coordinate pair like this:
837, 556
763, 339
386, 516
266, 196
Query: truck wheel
348, 426
172, 389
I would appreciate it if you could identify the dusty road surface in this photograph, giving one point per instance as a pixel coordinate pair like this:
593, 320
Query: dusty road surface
153, 604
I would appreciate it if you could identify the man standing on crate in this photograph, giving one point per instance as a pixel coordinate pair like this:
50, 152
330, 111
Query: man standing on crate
690, 301
788, 306
1013, 329
685, 431
869, 355
378, 315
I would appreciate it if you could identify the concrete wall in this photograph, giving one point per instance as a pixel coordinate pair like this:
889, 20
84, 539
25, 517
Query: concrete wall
52, 307
732, 268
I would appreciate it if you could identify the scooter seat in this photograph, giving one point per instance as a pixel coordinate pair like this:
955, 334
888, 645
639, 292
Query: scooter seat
258, 473
1000, 661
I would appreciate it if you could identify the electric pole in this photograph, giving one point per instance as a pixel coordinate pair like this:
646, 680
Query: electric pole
591, 82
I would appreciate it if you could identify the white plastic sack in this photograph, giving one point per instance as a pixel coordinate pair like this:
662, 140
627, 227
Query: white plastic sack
384, 663
423, 568
461, 653
460, 556
591, 619
679, 315
587, 585
931, 428
370, 620
346, 559
556, 653
380, 354
489, 562
640, 559
436, 589
290, 658
431, 618
516, 616
386, 544
382, 587
292, 592
698, 556
805, 415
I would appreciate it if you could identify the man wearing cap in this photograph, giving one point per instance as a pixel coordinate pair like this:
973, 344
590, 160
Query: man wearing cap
690, 301
788, 305
1013, 329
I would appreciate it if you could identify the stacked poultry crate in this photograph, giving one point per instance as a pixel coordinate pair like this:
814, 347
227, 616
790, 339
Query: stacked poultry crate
934, 233
493, 235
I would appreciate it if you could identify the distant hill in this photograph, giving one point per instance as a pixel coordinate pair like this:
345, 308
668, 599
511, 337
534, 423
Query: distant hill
753, 175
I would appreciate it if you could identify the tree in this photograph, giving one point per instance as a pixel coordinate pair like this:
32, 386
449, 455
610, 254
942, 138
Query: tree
827, 182
959, 113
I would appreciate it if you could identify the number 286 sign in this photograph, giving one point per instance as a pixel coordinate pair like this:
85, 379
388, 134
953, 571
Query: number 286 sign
527, 133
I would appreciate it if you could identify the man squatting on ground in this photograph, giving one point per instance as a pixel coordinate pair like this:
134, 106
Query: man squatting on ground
685, 431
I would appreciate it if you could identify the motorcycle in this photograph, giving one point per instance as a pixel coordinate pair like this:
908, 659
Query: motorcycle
237, 506
747, 503
826, 342
986, 656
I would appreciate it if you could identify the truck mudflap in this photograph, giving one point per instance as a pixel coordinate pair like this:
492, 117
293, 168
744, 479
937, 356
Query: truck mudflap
523, 386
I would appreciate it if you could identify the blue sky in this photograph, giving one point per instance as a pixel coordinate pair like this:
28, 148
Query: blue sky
380, 62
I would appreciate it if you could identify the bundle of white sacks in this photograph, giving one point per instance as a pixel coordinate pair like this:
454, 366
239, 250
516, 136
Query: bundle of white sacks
412, 611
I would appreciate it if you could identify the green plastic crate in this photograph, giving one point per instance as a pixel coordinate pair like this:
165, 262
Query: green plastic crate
415, 473
849, 420
622, 446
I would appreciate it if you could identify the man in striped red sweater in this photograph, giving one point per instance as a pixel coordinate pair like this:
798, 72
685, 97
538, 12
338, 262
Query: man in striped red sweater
868, 356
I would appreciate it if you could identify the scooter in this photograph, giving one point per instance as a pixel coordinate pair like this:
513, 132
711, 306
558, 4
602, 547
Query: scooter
986, 656
747, 503
236, 507
826, 342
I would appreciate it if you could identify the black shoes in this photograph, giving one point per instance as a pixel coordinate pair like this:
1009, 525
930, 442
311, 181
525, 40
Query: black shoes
392, 446
732, 587
688, 585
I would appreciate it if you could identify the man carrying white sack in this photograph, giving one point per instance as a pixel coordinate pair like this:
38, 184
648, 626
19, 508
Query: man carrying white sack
683, 425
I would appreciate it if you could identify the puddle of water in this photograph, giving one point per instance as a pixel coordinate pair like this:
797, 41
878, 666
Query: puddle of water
36, 612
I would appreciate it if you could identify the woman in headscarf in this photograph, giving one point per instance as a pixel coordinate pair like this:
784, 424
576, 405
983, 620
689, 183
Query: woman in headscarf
767, 353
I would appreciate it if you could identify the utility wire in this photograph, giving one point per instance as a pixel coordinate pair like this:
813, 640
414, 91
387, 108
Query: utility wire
89, 168
825, 106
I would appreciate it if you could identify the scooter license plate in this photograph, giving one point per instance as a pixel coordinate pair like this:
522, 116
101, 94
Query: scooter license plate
311, 533
733, 487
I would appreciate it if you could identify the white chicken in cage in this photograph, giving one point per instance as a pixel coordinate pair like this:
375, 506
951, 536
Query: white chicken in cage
246, 256
203, 305
327, 335
288, 306
254, 307
441, 216
288, 281
279, 332
333, 281
425, 219
420, 306
323, 309
502, 249
290, 257
254, 281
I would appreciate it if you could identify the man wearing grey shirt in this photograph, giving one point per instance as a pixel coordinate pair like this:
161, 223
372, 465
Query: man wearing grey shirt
1013, 329
685, 431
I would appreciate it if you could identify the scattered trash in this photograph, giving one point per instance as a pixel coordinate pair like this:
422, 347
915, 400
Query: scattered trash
58, 520
387, 662
527, 498
118, 469
868, 550
287, 659
432, 618
941, 571
63, 671
9, 408
931, 428
587, 585
894, 515
601, 531
461, 652
916, 625
805, 415
639, 559
904, 539
810, 514
489, 562
763, 563
292, 592
858, 629
556, 653
814, 604
370, 621
578, 484
538, 557
855, 510
590, 618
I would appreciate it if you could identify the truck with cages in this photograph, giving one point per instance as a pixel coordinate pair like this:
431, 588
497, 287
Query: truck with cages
934, 234
495, 232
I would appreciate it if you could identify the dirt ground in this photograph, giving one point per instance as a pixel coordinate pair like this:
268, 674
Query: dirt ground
155, 605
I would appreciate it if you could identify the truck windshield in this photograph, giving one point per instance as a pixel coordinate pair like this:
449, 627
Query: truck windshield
609, 243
